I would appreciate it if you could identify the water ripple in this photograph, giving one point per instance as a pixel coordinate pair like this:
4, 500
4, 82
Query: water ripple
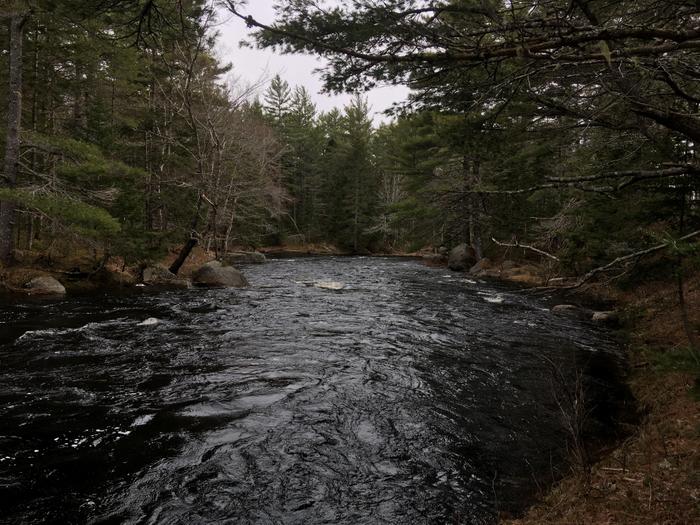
333, 390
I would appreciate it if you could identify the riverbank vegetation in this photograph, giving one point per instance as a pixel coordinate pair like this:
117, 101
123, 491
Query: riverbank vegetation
563, 133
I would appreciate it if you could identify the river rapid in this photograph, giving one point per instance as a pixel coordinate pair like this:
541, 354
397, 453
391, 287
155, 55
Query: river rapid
412, 395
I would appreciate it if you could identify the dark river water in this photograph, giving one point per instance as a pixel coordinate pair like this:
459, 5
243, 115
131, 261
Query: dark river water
412, 395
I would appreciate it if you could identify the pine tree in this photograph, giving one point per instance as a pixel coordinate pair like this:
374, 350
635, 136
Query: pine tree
278, 98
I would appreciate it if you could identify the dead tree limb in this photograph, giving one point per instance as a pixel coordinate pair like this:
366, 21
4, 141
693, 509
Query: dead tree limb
668, 172
626, 258
526, 247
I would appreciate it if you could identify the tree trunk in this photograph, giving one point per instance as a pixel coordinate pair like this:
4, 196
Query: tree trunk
356, 218
184, 254
690, 332
14, 114
30, 234
191, 242
471, 211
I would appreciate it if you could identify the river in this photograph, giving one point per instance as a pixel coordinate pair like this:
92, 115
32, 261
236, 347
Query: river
411, 395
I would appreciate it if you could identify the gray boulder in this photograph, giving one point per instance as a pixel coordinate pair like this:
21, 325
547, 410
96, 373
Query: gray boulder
160, 276
244, 258
216, 275
573, 311
565, 308
45, 285
606, 318
461, 258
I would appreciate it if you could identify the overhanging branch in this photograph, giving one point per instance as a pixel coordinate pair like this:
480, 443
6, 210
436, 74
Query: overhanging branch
526, 247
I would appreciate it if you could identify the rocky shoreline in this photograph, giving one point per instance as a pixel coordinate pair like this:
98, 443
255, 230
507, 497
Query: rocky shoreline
204, 271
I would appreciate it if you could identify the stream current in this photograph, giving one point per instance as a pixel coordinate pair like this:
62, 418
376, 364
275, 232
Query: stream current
412, 395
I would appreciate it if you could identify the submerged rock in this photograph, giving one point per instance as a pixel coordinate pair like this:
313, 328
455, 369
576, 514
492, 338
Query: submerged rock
565, 308
244, 258
329, 285
461, 258
45, 285
216, 275
573, 310
608, 318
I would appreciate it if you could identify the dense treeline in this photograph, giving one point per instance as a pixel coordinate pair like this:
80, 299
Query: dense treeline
567, 126
130, 139
328, 168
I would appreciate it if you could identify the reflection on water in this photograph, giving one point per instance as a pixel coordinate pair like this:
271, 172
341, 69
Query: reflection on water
406, 395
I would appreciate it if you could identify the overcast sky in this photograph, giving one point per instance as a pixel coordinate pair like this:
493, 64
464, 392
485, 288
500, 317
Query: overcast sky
251, 65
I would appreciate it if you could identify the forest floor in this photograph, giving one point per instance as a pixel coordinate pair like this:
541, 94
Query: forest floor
653, 477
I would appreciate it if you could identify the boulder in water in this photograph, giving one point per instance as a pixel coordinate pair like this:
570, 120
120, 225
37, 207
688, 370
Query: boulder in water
216, 275
45, 285
606, 318
573, 311
565, 308
461, 258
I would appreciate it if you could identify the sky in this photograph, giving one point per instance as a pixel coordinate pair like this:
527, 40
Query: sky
253, 65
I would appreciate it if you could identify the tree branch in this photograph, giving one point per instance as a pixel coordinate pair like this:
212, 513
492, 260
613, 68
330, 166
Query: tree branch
526, 247
626, 258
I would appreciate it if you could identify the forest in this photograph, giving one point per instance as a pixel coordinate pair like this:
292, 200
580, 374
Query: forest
566, 126
562, 133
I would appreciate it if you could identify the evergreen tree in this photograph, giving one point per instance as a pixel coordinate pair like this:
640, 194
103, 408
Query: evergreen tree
351, 181
91, 97
278, 98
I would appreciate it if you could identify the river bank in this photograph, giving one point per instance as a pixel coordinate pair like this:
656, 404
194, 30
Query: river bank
653, 476
82, 272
